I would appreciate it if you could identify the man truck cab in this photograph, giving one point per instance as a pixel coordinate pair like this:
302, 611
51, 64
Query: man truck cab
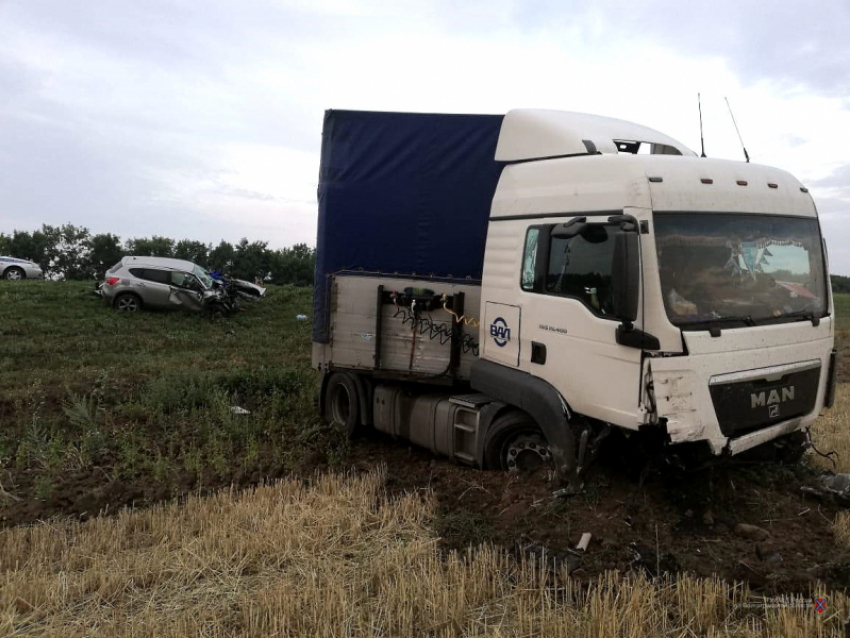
618, 289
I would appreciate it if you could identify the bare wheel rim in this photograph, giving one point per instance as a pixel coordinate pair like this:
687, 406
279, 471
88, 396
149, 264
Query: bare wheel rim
526, 452
128, 304
340, 404
13, 274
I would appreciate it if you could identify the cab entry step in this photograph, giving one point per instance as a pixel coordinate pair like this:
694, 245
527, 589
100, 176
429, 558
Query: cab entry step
471, 400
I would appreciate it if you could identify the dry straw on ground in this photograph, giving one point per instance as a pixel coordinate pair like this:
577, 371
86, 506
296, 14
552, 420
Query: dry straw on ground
842, 528
831, 432
336, 558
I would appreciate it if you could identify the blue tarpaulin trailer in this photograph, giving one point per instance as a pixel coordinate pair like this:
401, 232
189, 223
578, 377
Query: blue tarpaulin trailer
403, 193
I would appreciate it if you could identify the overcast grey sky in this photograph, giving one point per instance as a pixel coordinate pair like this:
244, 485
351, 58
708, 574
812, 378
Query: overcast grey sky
203, 119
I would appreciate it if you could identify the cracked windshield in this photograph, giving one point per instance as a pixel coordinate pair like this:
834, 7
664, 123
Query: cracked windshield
739, 268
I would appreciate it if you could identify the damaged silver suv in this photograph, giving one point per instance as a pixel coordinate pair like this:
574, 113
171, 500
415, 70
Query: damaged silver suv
160, 282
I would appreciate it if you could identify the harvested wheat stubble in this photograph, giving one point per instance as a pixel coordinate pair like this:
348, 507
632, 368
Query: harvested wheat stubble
337, 558
831, 433
842, 528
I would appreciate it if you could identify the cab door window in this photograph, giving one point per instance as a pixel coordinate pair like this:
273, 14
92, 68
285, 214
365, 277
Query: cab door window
578, 267
581, 267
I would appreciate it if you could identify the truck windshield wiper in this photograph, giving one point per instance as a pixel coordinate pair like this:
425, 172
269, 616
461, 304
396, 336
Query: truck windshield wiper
747, 320
801, 315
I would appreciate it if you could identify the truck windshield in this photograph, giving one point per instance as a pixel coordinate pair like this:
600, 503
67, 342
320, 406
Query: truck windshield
750, 269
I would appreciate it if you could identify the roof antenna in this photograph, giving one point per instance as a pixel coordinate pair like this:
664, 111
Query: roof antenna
701, 140
740, 139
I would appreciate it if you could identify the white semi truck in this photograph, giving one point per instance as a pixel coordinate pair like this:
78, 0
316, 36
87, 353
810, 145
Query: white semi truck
507, 290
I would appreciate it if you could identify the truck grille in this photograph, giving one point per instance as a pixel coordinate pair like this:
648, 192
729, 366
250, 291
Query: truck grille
748, 405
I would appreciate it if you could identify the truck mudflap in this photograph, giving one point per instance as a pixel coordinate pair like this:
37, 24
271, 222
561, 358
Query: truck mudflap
540, 400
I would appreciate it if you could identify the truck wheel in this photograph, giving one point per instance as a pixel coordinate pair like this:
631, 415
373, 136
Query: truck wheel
342, 403
515, 443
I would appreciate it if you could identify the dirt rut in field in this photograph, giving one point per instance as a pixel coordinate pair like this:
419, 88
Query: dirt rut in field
641, 517
651, 519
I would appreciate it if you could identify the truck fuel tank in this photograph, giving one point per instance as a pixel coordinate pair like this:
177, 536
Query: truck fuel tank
441, 422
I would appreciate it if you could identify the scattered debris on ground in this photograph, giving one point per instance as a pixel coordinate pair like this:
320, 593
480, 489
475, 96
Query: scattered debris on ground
832, 487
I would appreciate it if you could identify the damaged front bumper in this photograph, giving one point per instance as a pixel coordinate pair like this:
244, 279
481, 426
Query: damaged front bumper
773, 392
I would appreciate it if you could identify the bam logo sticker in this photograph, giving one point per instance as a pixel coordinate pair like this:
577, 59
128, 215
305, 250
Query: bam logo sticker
500, 332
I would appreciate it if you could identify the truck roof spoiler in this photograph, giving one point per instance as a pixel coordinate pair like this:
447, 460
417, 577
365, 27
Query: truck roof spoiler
529, 134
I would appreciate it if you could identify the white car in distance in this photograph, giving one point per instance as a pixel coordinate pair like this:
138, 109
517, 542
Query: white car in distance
14, 269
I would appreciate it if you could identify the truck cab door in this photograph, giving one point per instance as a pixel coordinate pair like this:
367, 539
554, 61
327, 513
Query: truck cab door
575, 279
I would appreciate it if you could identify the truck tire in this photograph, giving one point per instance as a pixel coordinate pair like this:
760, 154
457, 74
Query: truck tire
342, 403
516, 443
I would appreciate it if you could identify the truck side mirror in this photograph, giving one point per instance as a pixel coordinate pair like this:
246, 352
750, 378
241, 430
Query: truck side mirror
625, 276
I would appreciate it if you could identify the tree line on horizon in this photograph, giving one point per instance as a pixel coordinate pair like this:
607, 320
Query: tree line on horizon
74, 253
840, 283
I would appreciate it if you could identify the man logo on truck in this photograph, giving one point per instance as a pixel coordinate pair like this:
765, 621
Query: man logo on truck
500, 332
763, 398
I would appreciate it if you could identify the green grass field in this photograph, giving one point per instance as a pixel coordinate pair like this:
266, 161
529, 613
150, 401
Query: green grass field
151, 394
842, 311
148, 397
